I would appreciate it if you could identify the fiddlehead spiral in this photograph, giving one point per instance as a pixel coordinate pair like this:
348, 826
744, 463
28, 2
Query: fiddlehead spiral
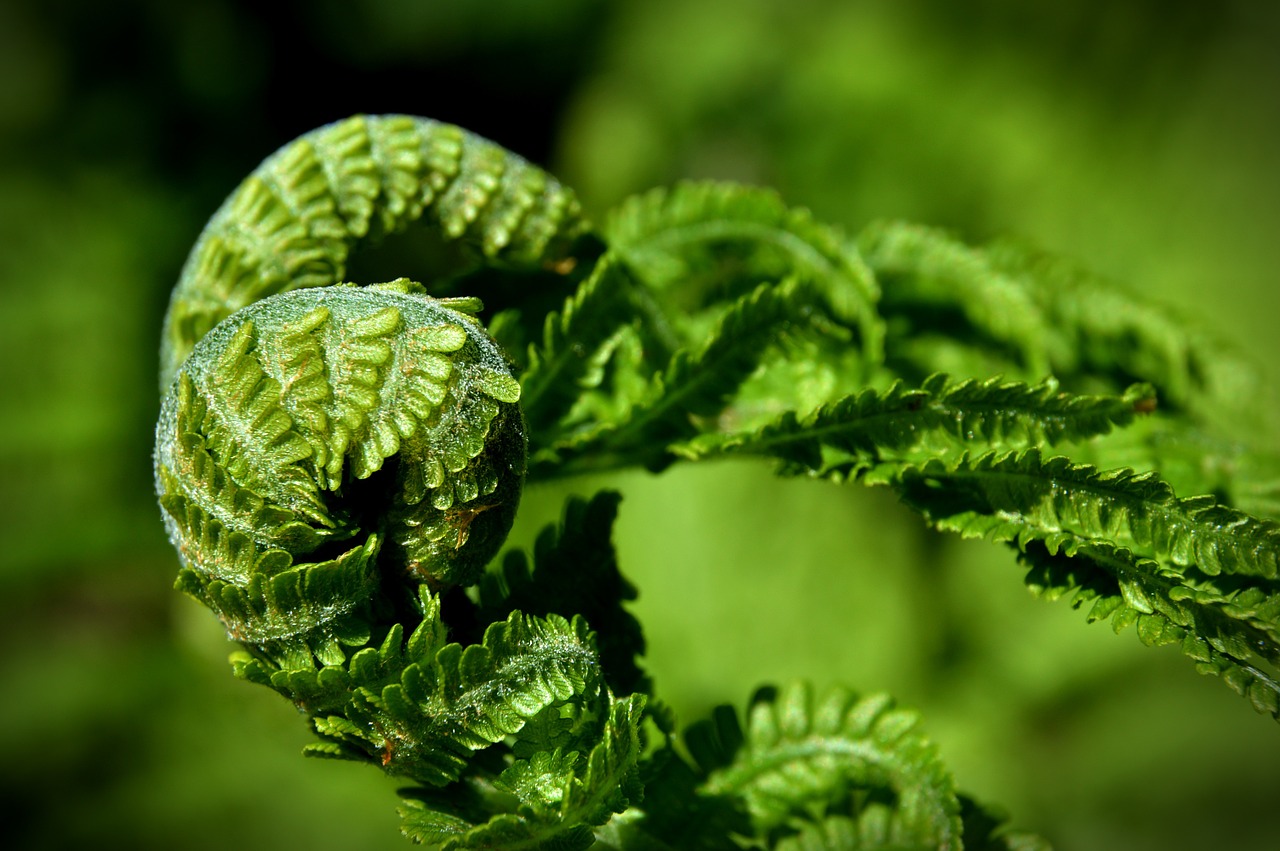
331, 459
285, 413
296, 220
277, 418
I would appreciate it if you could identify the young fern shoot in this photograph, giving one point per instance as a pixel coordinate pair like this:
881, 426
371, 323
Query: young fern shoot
338, 466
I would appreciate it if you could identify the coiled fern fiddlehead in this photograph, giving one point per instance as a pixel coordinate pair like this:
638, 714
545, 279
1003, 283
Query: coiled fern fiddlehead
278, 418
332, 459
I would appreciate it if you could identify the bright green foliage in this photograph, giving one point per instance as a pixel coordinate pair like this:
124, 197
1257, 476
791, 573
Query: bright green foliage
575, 571
557, 372
696, 383
295, 221
702, 243
423, 707
940, 416
556, 796
338, 464
1059, 502
861, 759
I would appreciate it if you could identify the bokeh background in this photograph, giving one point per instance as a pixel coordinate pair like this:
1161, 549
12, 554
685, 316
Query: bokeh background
1141, 137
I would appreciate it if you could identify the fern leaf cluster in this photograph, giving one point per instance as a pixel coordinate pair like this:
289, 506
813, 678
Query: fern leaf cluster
904, 422
574, 570
860, 759
704, 243
295, 221
339, 464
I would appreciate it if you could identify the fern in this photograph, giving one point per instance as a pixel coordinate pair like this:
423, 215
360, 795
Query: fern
840, 755
1227, 632
297, 219
338, 466
1035, 315
1051, 497
704, 243
561, 365
695, 385
1172, 565
559, 795
575, 571
940, 415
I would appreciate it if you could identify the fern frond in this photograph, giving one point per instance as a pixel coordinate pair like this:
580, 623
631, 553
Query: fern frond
334, 462
327, 689
696, 385
1007, 308
287, 410
871, 830
1187, 571
1230, 633
1047, 497
216, 523
936, 283
467, 699
256, 442
235, 459
292, 613
560, 795
1106, 331
575, 571
294, 222
941, 415
562, 364
861, 758
422, 708
705, 243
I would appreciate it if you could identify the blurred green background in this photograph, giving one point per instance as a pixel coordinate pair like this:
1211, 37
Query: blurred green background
1141, 137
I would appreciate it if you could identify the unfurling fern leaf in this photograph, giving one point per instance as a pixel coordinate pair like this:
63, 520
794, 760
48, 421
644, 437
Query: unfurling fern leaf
333, 459
703, 244
337, 463
295, 221
397, 385
857, 758
941, 415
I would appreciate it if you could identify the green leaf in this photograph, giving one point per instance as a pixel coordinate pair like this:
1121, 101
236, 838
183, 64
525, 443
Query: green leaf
935, 284
704, 243
291, 613
940, 416
1104, 330
1185, 571
694, 387
424, 711
1024, 495
862, 757
294, 222
557, 795
563, 364
1230, 633
575, 571
1010, 309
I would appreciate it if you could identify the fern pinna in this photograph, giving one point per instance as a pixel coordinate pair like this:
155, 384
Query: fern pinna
338, 465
